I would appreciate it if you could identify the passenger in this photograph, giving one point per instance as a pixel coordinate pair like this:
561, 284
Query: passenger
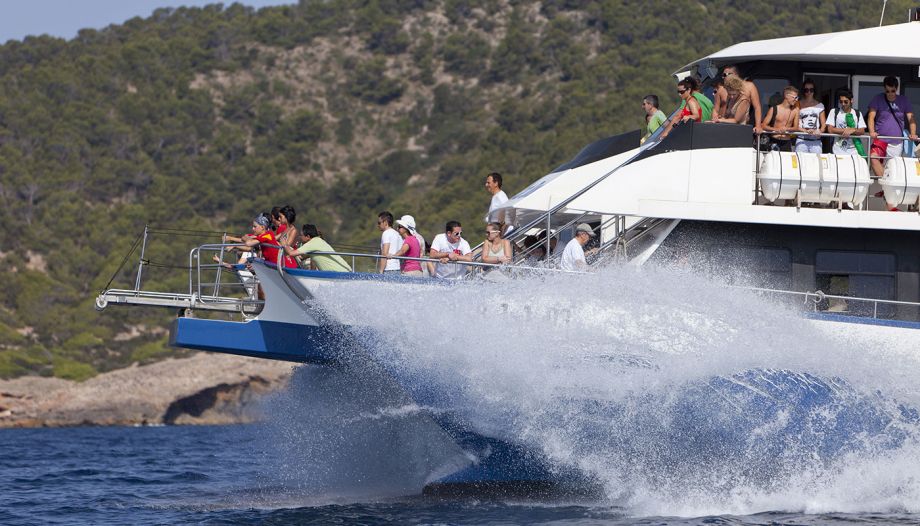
312, 242
890, 115
737, 107
421, 242
783, 118
703, 100
690, 108
719, 98
286, 232
450, 246
534, 250
654, 117
275, 216
846, 121
811, 120
499, 197
752, 94
495, 250
266, 240
410, 247
390, 242
573, 257
552, 242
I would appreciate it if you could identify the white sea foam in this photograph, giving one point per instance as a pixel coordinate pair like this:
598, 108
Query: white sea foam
682, 396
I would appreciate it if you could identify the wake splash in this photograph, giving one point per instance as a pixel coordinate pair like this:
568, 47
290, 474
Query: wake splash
679, 395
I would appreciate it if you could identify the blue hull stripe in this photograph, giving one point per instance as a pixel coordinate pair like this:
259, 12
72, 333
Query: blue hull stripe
261, 339
843, 318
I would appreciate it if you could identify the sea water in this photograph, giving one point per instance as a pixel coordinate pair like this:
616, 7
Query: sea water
687, 401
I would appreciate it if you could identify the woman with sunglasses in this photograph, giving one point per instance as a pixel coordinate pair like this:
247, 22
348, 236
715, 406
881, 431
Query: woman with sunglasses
690, 108
495, 249
811, 120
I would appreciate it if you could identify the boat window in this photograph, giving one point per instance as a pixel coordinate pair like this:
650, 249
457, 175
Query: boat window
913, 93
864, 88
859, 275
768, 87
764, 267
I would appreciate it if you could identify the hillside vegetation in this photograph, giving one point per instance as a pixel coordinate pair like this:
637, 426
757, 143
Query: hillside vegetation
200, 118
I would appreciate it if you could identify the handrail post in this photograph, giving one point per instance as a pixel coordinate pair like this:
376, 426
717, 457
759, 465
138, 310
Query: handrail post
191, 267
223, 241
140, 264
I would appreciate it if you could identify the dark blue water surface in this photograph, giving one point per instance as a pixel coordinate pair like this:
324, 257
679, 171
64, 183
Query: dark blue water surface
222, 475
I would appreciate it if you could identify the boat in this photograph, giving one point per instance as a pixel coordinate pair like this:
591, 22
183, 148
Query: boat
804, 229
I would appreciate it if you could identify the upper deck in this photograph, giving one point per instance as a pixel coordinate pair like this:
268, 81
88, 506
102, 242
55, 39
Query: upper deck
713, 172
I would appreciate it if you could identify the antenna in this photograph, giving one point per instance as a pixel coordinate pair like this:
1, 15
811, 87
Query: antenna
882, 18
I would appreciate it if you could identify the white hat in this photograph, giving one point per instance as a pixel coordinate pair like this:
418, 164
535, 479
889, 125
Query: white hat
408, 222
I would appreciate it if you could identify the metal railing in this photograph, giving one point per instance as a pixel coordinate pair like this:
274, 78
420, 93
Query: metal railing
474, 265
815, 301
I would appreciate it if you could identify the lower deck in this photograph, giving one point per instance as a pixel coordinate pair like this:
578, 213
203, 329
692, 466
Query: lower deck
849, 263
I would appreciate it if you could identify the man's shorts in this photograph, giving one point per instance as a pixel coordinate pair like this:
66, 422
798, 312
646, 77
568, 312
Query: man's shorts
884, 149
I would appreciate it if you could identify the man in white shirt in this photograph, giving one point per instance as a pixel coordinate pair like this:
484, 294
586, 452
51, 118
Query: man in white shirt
450, 246
573, 257
837, 122
390, 243
499, 197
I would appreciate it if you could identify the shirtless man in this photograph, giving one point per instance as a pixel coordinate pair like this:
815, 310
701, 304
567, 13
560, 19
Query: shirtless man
750, 91
785, 120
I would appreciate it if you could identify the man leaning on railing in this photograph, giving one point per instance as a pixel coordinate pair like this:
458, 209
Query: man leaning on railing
312, 242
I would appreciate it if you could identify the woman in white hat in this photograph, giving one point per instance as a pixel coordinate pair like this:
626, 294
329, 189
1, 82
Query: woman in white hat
410, 247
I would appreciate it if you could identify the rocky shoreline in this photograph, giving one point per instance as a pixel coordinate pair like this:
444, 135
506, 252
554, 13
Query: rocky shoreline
206, 388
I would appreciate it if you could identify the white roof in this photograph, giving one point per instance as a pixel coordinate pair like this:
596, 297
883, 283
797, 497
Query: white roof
894, 44
554, 188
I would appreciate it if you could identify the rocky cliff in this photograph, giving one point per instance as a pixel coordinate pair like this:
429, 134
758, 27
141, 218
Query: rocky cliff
203, 389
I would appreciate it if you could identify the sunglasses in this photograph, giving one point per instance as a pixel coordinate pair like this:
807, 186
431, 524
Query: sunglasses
456, 233
808, 90
844, 101
681, 91
891, 91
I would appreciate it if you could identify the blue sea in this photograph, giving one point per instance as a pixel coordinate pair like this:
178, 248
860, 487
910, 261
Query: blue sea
224, 475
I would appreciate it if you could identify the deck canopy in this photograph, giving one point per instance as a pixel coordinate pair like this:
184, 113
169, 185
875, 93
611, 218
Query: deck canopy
894, 44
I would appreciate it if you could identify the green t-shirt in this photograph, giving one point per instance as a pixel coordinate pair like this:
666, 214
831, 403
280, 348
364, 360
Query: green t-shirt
656, 121
323, 261
705, 105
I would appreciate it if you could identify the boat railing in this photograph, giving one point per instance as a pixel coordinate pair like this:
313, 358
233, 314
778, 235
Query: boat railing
472, 265
210, 287
821, 302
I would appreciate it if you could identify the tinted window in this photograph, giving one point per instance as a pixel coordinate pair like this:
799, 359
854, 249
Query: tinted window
856, 275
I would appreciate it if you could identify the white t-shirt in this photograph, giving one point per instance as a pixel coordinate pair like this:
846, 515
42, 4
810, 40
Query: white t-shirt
450, 270
810, 119
395, 240
838, 119
498, 200
571, 255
